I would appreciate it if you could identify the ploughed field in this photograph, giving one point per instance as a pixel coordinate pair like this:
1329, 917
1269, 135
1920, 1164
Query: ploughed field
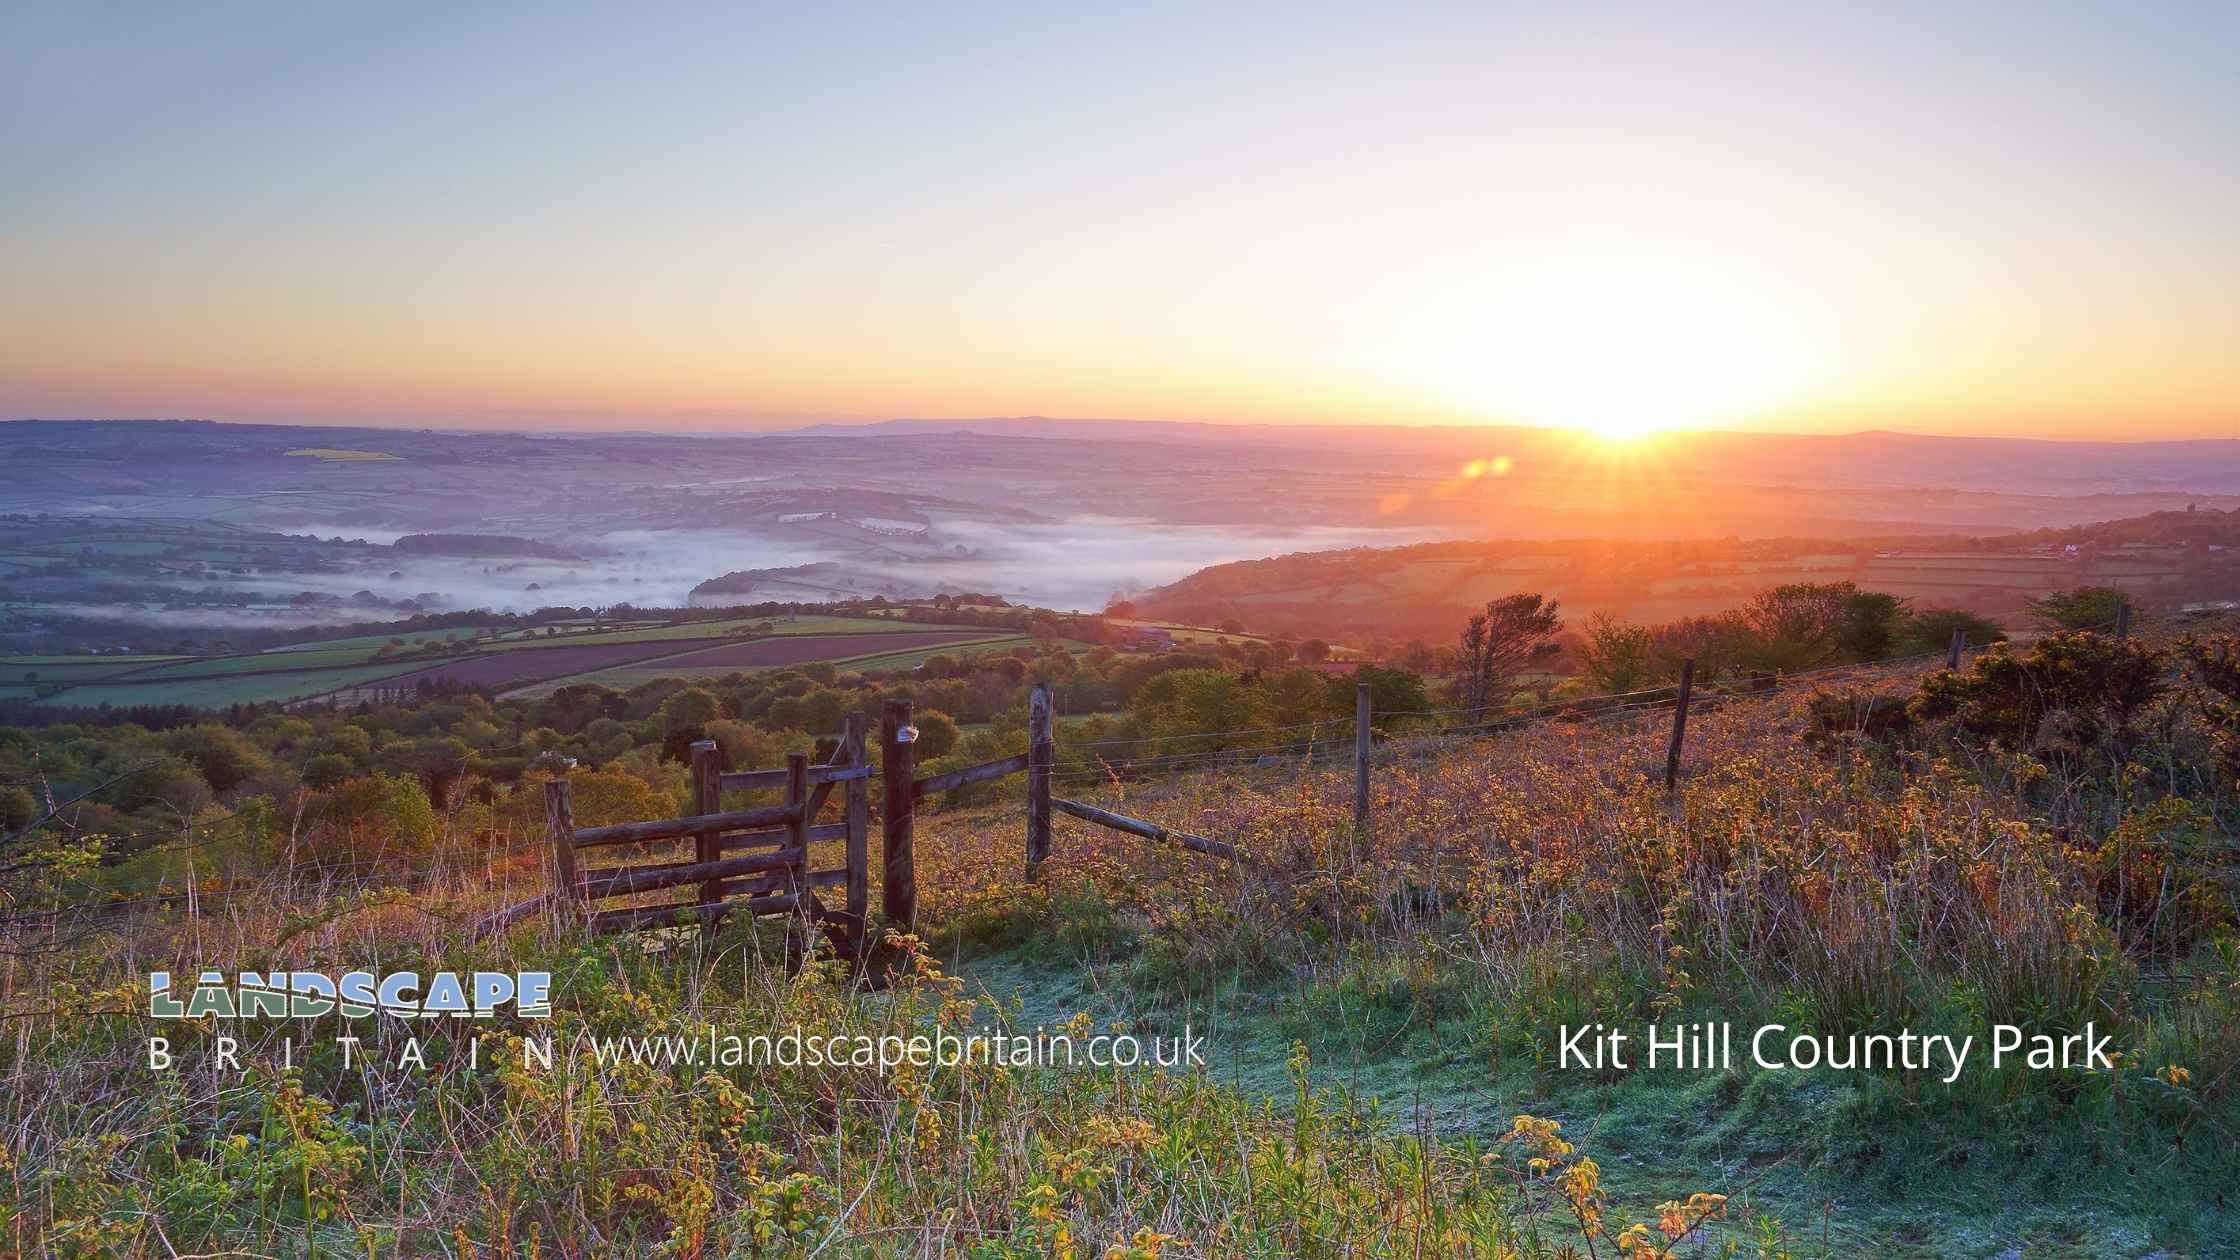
800, 649
502, 669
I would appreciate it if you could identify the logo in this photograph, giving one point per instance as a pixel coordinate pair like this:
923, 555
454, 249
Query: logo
355, 994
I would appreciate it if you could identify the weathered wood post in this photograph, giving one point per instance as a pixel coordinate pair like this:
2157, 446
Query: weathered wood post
1679, 723
2123, 620
858, 813
1361, 749
797, 831
560, 823
707, 798
1041, 753
1952, 655
898, 765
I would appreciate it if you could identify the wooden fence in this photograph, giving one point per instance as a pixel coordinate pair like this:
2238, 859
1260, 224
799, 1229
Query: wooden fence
759, 861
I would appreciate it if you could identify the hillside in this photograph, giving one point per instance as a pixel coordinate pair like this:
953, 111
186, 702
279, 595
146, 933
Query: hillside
1380, 1010
1426, 591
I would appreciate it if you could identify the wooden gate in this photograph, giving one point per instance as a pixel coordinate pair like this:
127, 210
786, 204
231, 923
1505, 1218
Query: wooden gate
747, 861
761, 861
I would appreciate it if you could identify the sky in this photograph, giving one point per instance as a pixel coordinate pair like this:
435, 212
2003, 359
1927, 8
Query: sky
1990, 219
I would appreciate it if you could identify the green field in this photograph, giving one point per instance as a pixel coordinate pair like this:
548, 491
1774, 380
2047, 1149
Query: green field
72, 668
374, 642
730, 626
221, 691
306, 670
917, 657
625, 677
264, 663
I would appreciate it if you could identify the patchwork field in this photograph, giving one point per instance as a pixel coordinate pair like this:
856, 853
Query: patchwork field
904, 651
500, 657
218, 692
536, 664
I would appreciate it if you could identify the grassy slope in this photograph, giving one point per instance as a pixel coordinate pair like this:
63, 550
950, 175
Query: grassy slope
1441, 1014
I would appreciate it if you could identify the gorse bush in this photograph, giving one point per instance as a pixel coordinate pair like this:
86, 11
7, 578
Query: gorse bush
2064, 697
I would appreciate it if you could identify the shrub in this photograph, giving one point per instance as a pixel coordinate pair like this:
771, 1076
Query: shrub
377, 816
2069, 693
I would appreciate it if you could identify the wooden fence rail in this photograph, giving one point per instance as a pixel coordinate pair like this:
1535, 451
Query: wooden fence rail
1147, 831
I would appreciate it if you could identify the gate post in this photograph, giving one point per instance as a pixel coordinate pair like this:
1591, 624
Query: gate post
1952, 655
898, 764
707, 798
858, 814
1041, 751
560, 823
797, 842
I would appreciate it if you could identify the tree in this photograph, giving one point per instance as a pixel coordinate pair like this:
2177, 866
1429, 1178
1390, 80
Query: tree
1121, 610
1617, 657
436, 762
937, 733
2081, 608
1797, 625
1392, 692
1293, 697
326, 770
1499, 642
223, 756
684, 718
1868, 630
1716, 643
1194, 703
369, 817
1314, 652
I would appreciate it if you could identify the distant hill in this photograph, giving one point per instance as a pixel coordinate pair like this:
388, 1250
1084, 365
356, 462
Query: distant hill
1872, 458
1427, 590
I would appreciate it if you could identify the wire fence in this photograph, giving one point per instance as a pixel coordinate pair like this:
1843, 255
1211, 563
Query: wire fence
1300, 749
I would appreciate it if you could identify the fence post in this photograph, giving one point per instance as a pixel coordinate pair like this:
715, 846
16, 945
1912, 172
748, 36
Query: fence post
2123, 620
707, 798
1959, 640
859, 825
898, 765
1041, 751
1361, 746
1679, 723
560, 822
797, 834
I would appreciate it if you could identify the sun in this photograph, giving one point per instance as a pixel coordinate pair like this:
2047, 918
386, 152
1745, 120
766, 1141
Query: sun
1619, 345
1620, 430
